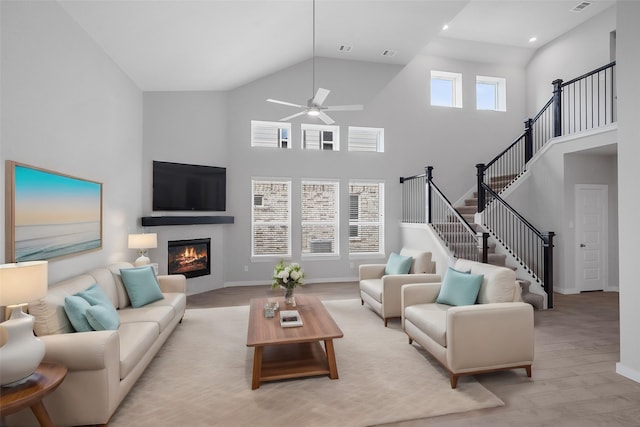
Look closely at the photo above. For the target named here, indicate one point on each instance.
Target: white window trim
(336, 222)
(336, 135)
(380, 222)
(456, 87)
(269, 257)
(267, 126)
(354, 130)
(501, 92)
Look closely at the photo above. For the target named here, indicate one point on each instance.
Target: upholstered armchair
(382, 291)
(494, 333)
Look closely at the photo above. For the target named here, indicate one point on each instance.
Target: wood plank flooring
(574, 381)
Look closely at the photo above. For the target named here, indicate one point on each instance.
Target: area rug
(202, 377)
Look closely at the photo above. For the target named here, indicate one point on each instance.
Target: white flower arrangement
(288, 277)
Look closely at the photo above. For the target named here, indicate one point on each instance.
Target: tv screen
(183, 187)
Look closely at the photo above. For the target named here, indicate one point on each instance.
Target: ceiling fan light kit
(314, 107)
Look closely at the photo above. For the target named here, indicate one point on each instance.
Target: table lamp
(142, 242)
(22, 352)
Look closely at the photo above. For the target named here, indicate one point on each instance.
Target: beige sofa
(102, 365)
(382, 292)
(493, 334)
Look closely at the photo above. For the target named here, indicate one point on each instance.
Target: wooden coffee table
(282, 353)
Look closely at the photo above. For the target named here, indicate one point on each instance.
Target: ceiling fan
(314, 106)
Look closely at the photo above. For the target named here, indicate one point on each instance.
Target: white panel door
(591, 206)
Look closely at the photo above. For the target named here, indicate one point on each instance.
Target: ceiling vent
(581, 6)
(344, 48)
(389, 53)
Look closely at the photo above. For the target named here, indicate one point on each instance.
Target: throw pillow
(96, 296)
(102, 318)
(459, 288)
(398, 264)
(141, 285)
(75, 307)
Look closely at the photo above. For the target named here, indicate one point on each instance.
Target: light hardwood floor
(574, 381)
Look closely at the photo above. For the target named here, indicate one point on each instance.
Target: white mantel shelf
(154, 221)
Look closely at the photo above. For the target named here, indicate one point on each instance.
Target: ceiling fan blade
(323, 116)
(284, 119)
(275, 101)
(321, 95)
(345, 107)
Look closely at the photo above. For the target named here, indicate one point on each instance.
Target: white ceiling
(169, 45)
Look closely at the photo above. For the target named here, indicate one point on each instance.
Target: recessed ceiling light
(581, 6)
(445, 27)
(532, 39)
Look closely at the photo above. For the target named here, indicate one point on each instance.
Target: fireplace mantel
(151, 221)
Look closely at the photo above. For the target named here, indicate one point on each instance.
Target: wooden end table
(30, 393)
(282, 353)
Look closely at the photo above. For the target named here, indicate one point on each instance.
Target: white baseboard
(627, 372)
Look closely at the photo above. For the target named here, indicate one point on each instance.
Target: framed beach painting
(50, 214)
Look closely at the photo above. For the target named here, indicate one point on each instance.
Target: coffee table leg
(257, 367)
(41, 414)
(331, 359)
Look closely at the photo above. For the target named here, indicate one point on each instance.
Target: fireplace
(189, 257)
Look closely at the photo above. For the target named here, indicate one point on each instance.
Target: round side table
(30, 393)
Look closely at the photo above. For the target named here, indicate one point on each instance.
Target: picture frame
(49, 214)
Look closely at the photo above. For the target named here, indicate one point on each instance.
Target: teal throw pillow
(398, 264)
(459, 288)
(76, 308)
(102, 318)
(141, 285)
(108, 316)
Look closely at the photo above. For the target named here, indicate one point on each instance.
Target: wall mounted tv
(184, 187)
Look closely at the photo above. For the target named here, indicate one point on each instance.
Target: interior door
(591, 207)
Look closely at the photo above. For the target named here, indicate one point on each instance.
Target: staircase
(468, 212)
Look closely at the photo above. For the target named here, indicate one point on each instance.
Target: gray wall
(628, 178)
(67, 107)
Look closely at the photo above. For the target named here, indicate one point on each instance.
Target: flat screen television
(184, 187)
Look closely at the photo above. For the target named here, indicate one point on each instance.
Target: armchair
(382, 292)
(495, 333)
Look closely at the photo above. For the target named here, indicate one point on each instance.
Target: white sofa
(102, 365)
(493, 334)
(382, 292)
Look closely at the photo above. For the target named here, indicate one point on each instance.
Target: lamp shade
(22, 282)
(143, 241)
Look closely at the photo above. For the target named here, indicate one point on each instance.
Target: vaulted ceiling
(168, 45)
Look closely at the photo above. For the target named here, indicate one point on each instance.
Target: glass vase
(288, 296)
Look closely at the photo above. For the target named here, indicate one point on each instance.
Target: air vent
(388, 53)
(581, 6)
(344, 48)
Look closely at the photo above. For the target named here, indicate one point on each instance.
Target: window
(320, 137)
(320, 217)
(366, 217)
(366, 139)
(491, 93)
(271, 221)
(354, 214)
(446, 89)
(270, 134)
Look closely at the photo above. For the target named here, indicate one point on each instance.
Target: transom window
(491, 93)
(446, 89)
(366, 139)
(320, 137)
(270, 134)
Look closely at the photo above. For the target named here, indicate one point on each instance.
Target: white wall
(628, 33)
(186, 127)
(583, 49)
(67, 107)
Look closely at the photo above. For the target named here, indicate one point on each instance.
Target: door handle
(582, 245)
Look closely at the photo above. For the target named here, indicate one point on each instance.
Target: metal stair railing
(423, 202)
